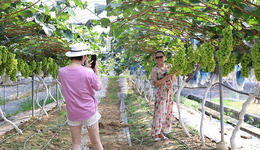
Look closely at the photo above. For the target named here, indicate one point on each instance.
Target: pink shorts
(88, 122)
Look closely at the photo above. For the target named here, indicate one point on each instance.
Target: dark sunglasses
(157, 57)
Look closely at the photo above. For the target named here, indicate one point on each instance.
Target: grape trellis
(42, 107)
(212, 35)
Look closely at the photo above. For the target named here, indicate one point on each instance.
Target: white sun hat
(79, 49)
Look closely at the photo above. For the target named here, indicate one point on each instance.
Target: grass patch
(111, 90)
(190, 103)
(27, 105)
(252, 108)
(2, 101)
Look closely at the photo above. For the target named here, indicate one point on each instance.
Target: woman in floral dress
(163, 106)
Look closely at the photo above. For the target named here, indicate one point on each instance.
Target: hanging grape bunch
(225, 47)
(207, 60)
(38, 68)
(11, 66)
(190, 52)
(229, 66)
(32, 67)
(171, 61)
(3, 59)
(255, 55)
(20, 66)
(24, 68)
(246, 60)
(45, 64)
(179, 62)
(8, 63)
(193, 57)
(172, 70)
(54, 71)
(51, 67)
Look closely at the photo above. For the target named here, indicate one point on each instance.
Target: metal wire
(25, 128)
(42, 132)
(137, 128)
(54, 135)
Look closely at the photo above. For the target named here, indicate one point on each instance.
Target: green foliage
(148, 65)
(142, 28)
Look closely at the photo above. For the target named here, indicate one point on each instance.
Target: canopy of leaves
(144, 26)
(34, 30)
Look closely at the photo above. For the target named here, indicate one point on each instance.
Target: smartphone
(94, 59)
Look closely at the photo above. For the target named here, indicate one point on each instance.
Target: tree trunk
(179, 107)
(47, 94)
(5, 119)
(241, 118)
(63, 100)
(203, 109)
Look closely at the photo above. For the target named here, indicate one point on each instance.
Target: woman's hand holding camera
(87, 63)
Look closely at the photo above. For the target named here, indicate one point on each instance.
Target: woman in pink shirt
(78, 85)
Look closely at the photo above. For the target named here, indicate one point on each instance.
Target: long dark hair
(77, 58)
(159, 52)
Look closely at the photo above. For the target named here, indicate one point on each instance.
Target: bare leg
(76, 137)
(93, 132)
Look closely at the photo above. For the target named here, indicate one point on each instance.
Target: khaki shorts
(88, 122)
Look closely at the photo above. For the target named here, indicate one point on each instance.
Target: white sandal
(157, 139)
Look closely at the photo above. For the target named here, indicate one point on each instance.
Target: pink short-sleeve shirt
(78, 85)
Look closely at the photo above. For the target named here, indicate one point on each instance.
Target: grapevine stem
(192, 75)
(203, 109)
(20, 10)
(240, 8)
(241, 119)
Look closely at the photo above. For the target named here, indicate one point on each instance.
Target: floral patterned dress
(163, 106)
